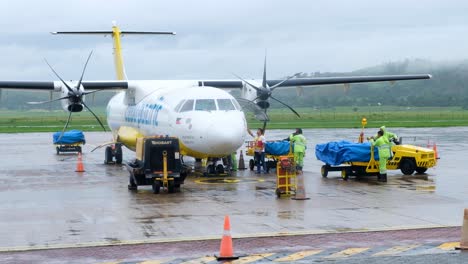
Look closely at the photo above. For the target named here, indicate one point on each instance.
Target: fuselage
(208, 121)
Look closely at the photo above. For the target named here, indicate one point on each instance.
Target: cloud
(216, 38)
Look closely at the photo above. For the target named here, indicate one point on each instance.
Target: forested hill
(448, 87)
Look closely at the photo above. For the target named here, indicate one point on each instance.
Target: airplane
(207, 119)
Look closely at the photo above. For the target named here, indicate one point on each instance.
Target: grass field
(339, 117)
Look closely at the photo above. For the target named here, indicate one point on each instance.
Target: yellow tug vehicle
(407, 158)
(353, 159)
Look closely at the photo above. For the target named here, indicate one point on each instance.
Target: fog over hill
(448, 87)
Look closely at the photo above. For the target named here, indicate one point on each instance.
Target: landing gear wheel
(156, 186)
(108, 155)
(171, 187)
(118, 154)
(79, 150)
(219, 169)
(407, 166)
(345, 174)
(210, 169)
(251, 164)
(324, 171)
(420, 170)
(58, 150)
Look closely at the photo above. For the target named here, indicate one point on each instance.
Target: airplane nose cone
(225, 136)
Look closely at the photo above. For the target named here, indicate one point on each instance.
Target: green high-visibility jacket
(383, 145)
(388, 135)
(300, 142)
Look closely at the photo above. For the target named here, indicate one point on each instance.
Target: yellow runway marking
(298, 255)
(199, 260)
(396, 250)
(252, 258)
(449, 245)
(347, 252)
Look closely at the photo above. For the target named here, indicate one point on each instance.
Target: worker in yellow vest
(299, 147)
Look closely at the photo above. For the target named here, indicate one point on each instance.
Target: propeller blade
(84, 69)
(287, 79)
(264, 123)
(97, 118)
(56, 74)
(259, 113)
(290, 108)
(253, 86)
(50, 101)
(90, 92)
(264, 81)
(66, 125)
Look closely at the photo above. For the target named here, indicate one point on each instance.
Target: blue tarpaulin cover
(69, 137)
(277, 147)
(337, 152)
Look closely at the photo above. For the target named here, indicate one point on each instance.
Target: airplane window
(236, 104)
(179, 105)
(225, 104)
(205, 105)
(188, 106)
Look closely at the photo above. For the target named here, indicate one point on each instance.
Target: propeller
(74, 96)
(264, 93)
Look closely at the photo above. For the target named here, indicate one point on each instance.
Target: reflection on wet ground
(43, 201)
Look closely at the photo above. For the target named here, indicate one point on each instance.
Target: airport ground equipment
(158, 163)
(113, 154)
(69, 141)
(273, 151)
(286, 180)
(407, 158)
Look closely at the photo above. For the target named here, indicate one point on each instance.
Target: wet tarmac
(45, 203)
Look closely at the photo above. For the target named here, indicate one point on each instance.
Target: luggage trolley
(286, 183)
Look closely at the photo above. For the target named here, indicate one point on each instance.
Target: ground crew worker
(259, 149)
(383, 145)
(300, 145)
(389, 135)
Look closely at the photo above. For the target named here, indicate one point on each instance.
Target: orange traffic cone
(464, 237)
(79, 165)
(226, 251)
(300, 190)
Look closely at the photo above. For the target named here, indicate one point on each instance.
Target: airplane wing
(232, 84)
(50, 86)
(350, 79)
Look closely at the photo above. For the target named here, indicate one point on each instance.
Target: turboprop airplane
(208, 120)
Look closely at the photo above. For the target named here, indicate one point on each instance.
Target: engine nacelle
(72, 101)
(263, 104)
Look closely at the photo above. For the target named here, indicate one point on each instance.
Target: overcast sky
(217, 38)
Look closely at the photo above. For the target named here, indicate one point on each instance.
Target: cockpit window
(188, 106)
(225, 104)
(205, 105)
(236, 104)
(178, 106)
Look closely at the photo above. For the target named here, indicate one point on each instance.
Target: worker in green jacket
(300, 145)
(383, 145)
(389, 135)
